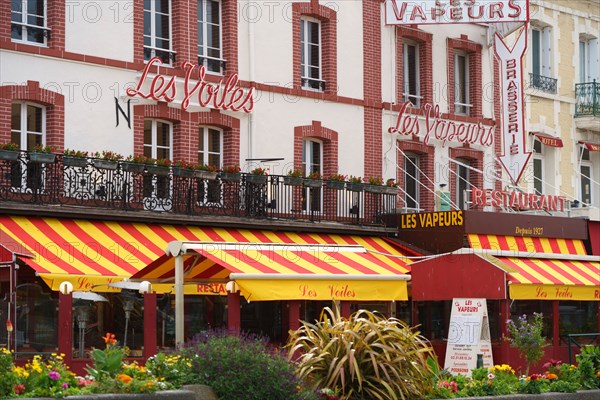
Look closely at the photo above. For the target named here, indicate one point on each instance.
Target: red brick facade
(53, 102)
(473, 51)
(471, 157)
(330, 146)
(185, 131)
(426, 165)
(328, 18)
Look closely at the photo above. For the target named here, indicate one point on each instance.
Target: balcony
(543, 83)
(587, 105)
(90, 185)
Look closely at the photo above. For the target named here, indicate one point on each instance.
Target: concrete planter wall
(581, 395)
(190, 392)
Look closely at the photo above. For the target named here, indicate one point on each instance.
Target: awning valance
(289, 271)
(548, 140)
(91, 254)
(527, 244)
(590, 146)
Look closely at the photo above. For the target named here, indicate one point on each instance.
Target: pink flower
(65, 385)
(54, 375)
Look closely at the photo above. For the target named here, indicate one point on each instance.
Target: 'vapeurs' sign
(398, 12)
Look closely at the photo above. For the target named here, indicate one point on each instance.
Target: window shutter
(594, 64)
(546, 53)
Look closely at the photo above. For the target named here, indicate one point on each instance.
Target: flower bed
(580, 395)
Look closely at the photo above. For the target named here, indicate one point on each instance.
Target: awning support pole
(65, 326)
(179, 301)
(234, 319)
(149, 325)
(555, 328)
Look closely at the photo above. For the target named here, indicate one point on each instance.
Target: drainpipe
(179, 300)
(251, 77)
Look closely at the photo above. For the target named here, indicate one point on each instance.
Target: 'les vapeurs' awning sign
(398, 12)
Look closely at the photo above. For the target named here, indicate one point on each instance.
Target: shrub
(526, 336)
(241, 367)
(588, 363)
(365, 356)
(7, 377)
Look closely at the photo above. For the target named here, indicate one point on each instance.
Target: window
(410, 73)
(586, 178)
(462, 182)
(540, 51)
(538, 167)
(411, 181)
(310, 54)
(28, 126)
(461, 84)
(312, 161)
(588, 60)
(210, 144)
(210, 45)
(157, 30)
(28, 21)
(157, 145)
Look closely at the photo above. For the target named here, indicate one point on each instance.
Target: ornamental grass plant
(363, 357)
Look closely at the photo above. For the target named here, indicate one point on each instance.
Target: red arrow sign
(514, 156)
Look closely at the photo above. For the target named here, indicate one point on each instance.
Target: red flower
(19, 389)
(109, 339)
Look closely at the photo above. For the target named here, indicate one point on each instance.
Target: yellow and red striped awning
(279, 271)
(527, 244)
(92, 254)
(545, 275)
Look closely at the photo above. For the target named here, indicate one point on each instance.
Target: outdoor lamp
(232, 287)
(66, 287)
(145, 287)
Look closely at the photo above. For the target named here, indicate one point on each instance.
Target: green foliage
(564, 386)
(526, 336)
(241, 368)
(478, 374)
(568, 373)
(8, 379)
(173, 368)
(534, 384)
(365, 356)
(588, 364)
(107, 362)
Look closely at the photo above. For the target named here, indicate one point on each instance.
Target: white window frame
(462, 105)
(153, 38)
(25, 25)
(154, 146)
(409, 159)
(24, 134)
(415, 98)
(586, 162)
(203, 133)
(203, 57)
(460, 189)
(588, 59)
(308, 167)
(538, 157)
(544, 53)
(308, 81)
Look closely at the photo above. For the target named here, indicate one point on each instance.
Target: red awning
(590, 146)
(548, 140)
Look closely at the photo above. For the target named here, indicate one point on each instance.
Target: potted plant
(184, 169)
(231, 173)
(159, 166)
(314, 180)
(108, 160)
(390, 187)
(135, 164)
(42, 154)
(257, 176)
(75, 158)
(336, 181)
(9, 151)
(355, 184)
(374, 185)
(294, 177)
(205, 171)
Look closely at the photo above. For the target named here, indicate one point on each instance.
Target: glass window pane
(35, 7)
(34, 118)
(162, 6)
(535, 51)
(148, 132)
(314, 55)
(214, 36)
(163, 134)
(147, 23)
(586, 193)
(16, 6)
(163, 154)
(314, 33)
(537, 175)
(15, 137)
(214, 159)
(33, 140)
(15, 123)
(213, 12)
(201, 139)
(214, 141)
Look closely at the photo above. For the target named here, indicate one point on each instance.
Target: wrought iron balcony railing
(543, 83)
(587, 99)
(92, 182)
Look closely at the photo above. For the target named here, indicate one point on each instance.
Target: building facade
(140, 102)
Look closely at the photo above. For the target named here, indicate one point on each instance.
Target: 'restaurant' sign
(398, 12)
(519, 200)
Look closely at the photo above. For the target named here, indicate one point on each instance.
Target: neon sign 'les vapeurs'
(222, 95)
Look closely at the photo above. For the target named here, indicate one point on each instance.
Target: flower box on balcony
(338, 185)
(79, 162)
(313, 183)
(183, 172)
(256, 179)
(293, 180)
(355, 187)
(133, 167)
(105, 164)
(231, 176)
(42, 158)
(158, 170)
(374, 188)
(9, 155)
(208, 175)
(390, 190)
